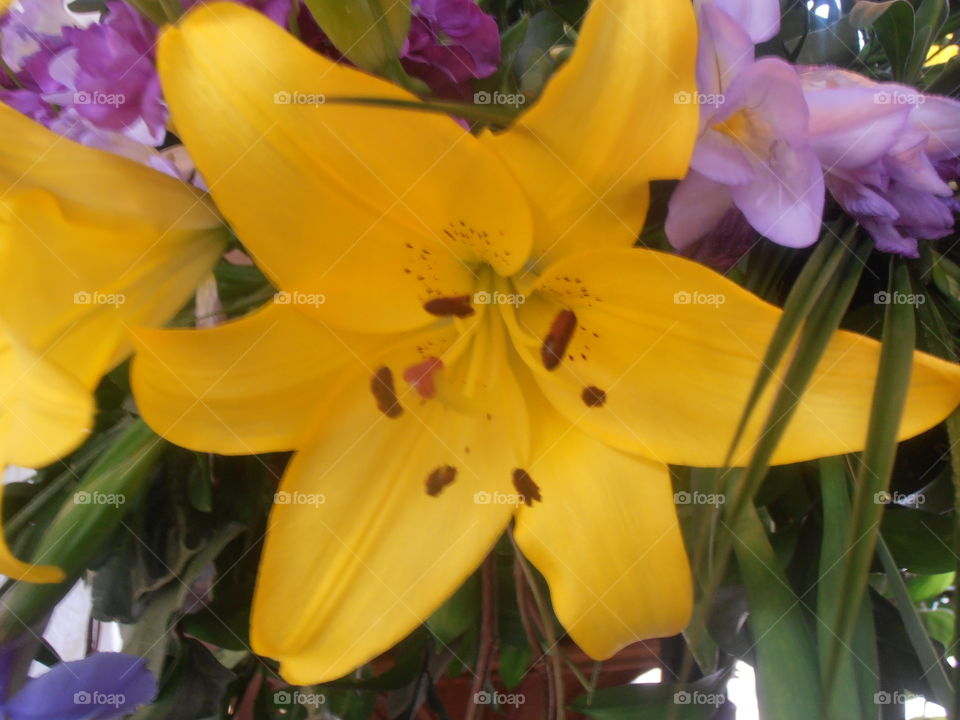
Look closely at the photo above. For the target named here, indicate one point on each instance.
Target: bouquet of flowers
(442, 358)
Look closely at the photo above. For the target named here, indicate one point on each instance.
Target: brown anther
(384, 393)
(439, 478)
(527, 488)
(458, 306)
(555, 343)
(593, 396)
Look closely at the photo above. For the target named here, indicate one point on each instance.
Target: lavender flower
(753, 152)
(450, 43)
(888, 153)
(101, 686)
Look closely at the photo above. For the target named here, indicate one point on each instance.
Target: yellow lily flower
(90, 244)
(464, 337)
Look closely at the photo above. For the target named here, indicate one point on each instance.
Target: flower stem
(550, 635)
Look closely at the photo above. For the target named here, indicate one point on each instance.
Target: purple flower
(96, 84)
(116, 85)
(450, 43)
(103, 685)
(888, 153)
(28, 26)
(753, 152)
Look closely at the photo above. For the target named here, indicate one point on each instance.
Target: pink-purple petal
(785, 202)
(696, 206)
(721, 158)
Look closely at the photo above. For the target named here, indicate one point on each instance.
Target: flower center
(748, 129)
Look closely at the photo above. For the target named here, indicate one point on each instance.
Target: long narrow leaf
(935, 667)
(876, 464)
(857, 680)
(787, 684)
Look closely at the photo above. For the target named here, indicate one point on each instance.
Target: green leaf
(194, 689)
(150, 636)
(534, 60)
(876, 463)
(817, 302)
(856, 682)
(660, 701)
(926, 587)
(866, 12)
(788, 687)
(514, 663)
(919, 541)
(87, 6)
(930, 17)
(934, 665)
(80, 530)
(835, 44)
(895, 31)
(939, 624)
(459, 613)
(370, 33)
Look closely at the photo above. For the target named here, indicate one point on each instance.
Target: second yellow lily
(465, 337)
(91, 244)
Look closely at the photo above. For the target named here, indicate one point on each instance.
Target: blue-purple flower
(888, 154)
(101, 686)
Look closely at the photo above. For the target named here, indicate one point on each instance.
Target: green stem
(491, 114)
(549, 632)
(82, 528)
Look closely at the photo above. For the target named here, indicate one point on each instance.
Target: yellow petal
(345, 579)
(377, 209)
(94, 179)
(74, 279)
(44, 411)
(608, 122)
(90, 244)
(606, 538)
(249, 386)
(19, 570)
(675, 348)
